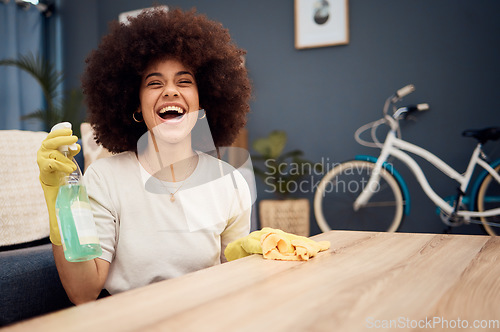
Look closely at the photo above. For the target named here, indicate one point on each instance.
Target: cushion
(23, 213)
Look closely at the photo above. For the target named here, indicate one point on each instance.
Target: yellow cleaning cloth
(275, 244)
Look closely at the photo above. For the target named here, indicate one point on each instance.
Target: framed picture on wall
(320, 23)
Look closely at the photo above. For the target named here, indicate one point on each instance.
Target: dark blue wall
(450, 50)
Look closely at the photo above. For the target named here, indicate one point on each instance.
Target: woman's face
(169, 100)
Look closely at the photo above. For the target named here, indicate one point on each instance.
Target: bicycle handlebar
(404, 91)
(404, 112)
(391, 120)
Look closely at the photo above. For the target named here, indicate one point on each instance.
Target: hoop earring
(204, 114)
(138, 121)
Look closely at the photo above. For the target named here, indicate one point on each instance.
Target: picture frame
(320, 23)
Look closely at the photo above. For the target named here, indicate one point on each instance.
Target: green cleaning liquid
(74, 216)
(76, 224)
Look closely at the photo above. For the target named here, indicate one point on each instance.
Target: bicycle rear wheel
(488, 197)
(339, 188)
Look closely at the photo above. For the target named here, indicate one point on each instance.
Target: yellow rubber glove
(53, 167)
(244, 246)
(275, 244)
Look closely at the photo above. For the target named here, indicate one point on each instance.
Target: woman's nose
(170, 92)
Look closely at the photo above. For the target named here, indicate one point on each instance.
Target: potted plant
(58, 107)
(282, 173)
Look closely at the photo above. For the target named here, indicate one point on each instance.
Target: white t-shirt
(148, 238)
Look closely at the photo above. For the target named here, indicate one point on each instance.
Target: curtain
(20, 34)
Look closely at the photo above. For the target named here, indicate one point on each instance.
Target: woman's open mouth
(171, 113)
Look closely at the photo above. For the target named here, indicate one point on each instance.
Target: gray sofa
(29, 284)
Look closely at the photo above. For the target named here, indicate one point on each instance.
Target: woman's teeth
(171, 112)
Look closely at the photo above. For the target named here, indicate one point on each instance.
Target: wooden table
(366, 280)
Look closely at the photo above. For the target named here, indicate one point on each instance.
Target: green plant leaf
(42, 71)
(271, 146)
(38, 114)
(261, 145)
(59, 108)
(281, 170)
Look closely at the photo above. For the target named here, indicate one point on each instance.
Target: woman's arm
(239, 226)
(82, 281)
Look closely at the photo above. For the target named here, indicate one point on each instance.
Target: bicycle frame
(394, 146)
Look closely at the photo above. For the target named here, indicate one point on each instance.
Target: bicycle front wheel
(488, 197)
(339, 188)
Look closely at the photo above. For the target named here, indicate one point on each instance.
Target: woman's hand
(53, 166)
(51, 162)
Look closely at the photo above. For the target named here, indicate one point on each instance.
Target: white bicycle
(368, 193)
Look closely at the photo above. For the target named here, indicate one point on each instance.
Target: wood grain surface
(365, 281)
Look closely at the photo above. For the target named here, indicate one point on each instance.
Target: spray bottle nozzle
(64, 149)
(74, 177)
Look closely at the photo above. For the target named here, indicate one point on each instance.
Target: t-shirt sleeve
(103, 211)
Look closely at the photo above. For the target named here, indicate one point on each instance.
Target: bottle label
(84, 222)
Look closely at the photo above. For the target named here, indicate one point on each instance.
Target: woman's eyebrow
(152, 74)
(184, 72)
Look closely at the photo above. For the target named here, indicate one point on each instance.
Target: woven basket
(290, 215)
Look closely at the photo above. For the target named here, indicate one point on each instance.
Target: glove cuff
(50, 193)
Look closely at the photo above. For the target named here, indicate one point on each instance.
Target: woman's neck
(168, 161)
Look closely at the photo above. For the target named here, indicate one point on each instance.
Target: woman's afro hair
(111, 80)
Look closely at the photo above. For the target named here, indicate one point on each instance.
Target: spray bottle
(74, 215)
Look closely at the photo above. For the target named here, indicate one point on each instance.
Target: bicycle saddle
(483, 135)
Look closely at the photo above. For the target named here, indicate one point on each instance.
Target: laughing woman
(163, 207)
